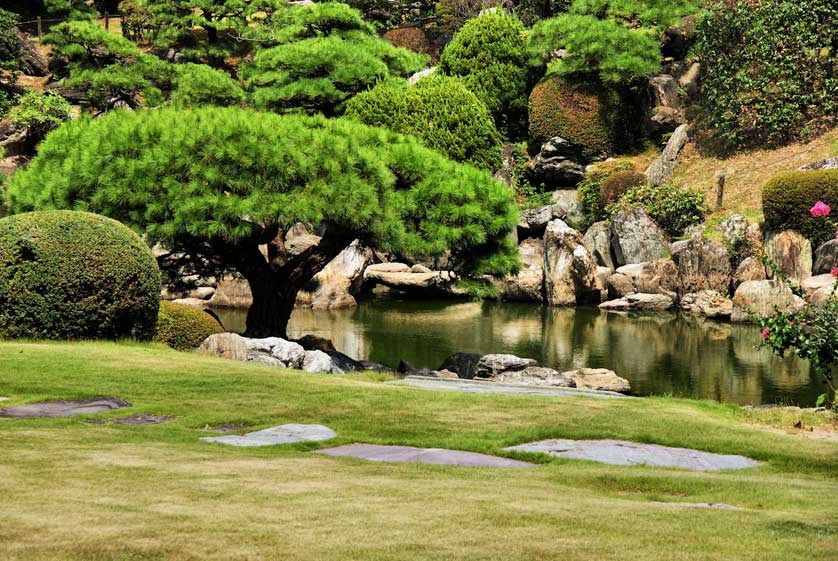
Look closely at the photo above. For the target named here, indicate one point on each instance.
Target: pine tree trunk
(273, 303)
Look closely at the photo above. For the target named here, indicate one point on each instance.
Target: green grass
(75, 491)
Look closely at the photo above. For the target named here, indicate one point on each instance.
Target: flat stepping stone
(409, 454)
(65, 408)
(284, 434)
(486, 387)
(136, 420)
(4, 399)
(230, 427)
(625, 453)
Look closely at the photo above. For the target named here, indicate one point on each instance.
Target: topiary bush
(75, 275)
(184, 327)
(788, 198)
(199, 84)
(438, 110)
(618, 184)
(672, 208)
(585, 113)
(590, 187)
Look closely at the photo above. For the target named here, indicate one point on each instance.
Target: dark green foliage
(387, 14)
(489, 54)
(136, 19)
(672, 208)
(314, 58)
(532, 11)
(74, 275)
(618, 184)
(40, 112)
(438, 110)
(587, 114)
(9, 41)
(769, 72)
(184, 327)
(73, 9)
(199, 84)
(590, 187)
(788, 197)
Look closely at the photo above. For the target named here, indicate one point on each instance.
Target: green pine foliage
(9, 41)
(200, 84)
(489, 54)
(74, 275)
(72, 9)
(769, 71)
(315, 58)
(787, 199)
(40, 112)
(183, 327)
(438, 110)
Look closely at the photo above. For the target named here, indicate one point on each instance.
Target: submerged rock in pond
(284, 434)
(409, 454)
(62, 408)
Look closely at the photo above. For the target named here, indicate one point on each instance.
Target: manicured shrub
(787, 201)
(769, 74)
(618, 184)
(184, 327)
(591, 185)
(489, 54)
(672, 208)
(75, 275)
(438, 110)
(411, 38)
(585, 113)
(199, 84)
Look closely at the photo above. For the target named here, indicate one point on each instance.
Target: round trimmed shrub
(184, 327)
(788, 197)
(75, 275)
(585, 113)
(591, 185)
(618, 184)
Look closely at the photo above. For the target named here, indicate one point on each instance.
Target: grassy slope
(71, 490)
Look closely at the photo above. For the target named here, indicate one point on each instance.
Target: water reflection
(657, 353)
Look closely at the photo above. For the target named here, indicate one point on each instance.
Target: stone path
(409, 454)
(285, 434)
(625, 453)
(65, 408)
(136, 420)
(481, 387)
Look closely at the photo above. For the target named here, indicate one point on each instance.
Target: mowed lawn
(71, 490)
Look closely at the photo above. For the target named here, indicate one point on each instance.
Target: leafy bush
(411, 38)
(75, 275)
(489, 54)
(136, 19)
(184, 327)
(672, 208)
(787, 201)
(451, 15)
(199, 84)
(769, 74)
(618, 184)
(587, 114)
(532, 11)
(9, 41)
(591, 185)
(40, 112)
(438, 110)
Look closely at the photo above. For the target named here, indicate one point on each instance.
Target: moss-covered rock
(184, 327)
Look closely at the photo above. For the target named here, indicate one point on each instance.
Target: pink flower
(836, 235)
(765, 333)
(820, 209)
(835, 272)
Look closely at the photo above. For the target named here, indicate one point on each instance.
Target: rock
(661, 169)
(792, 253)
(811, 285)
(225, 345)
(463, 364)
(639, 303)
(690, 81)
(734, 230)
(342, 363)
(232, 292)
(829, 163)
(485, 387)
(291, 354)
(492, 365)
(284, 434)
(10, 165)
(702, 265)
(15, 140)
(443, 374)
(567, 206)
(761, 297)
(600, 379)
(315, 343)
(138, 420)
(405, 367)
(555, 166)
(299, 240)
(317, 362)
(751, 269)
(708, 303)
(533, 221)
(636, 238)
(598, 241)
(409, 454)
(73, 408)
(619, 285)
(389, 268)
(663, 108)
(421, 74)
(32, 62)
(369, 366)
(823, 296)
(420, 269)
(435, 282)
(536, 376)
(570, 272)
(826, 258)
(266, 359)
(528, 284)
(656, 277)
(339, 282)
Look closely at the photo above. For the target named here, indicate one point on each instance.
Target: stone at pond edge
(708, 303)
(528, 284)
(761, 297)
(792, 253)
(284, 434)
(72, 408)
(656, 277)
(464, 364)
(536, 376)
(570, 272)
(600, 379)
(639, 303)
(625, 453)
(225, 345)
(661, 169)
(492, 365)
(598, 241)
(751, 269)
(636, 238)
(409, 454)
(702, 265)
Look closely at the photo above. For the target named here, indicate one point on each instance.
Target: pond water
(658, 353)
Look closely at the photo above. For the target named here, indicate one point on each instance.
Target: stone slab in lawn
(65, 408)
(135, 420)
(409, 454)
(284, 434)
(4, 399)
(485, 387)
(625, 453)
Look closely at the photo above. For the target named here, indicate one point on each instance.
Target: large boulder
(493, 365)
(823, 296)
(702, 265)
(556, 165)
(761, 298)
(232, 292)
(225, 345)
(826, 258)
(463, 364)
(661, 169)
(600, 379)
(337, 284)
(636, 238)
(639, 303)
(570, 272)
(32, 61)
(751, 269)
(656, 277)
(568, 207)
(663, 108)
(536, 376)
(528, 284)
(598, 241)
(811, 285)
(400, 276)
(709, 303)
(534, 221)
(317, 362)
(791, 252)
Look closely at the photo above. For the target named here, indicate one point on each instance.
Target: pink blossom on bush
(765, 333)
(835, 272)
(820, 209)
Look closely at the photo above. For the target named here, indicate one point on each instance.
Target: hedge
(788, 197)
(75, 275)
(184, 327)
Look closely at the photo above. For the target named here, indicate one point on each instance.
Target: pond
(659, 354)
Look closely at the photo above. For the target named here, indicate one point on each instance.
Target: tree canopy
(214, 184)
